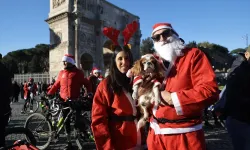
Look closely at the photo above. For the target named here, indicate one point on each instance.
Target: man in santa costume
(190, 86)
(95, 78)
(70, 81)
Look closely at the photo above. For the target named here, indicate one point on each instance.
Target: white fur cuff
(156, 84)
(176, 103)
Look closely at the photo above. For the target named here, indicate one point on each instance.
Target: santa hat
(159, 26)
(95, 69)
(69, 58)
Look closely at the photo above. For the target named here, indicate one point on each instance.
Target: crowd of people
(188, 89)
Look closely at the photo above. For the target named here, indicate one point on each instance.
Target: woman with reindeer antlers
(114, 112)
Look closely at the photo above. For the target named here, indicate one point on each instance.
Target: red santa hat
(159, 26)
(69, 58)
(95, 69)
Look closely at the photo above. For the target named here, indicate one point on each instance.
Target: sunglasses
(164, 34)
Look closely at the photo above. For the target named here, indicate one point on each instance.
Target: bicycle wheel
(41, 129)
(35, 105)
(18, 133)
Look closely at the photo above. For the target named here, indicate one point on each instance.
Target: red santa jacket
(109, 135)
(28, 87)
(70, 83)
(192, 84)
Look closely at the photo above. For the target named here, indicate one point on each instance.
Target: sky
(222, 22)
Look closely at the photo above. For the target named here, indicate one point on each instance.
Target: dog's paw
(141, 123)
(157, 101)
(135, 95)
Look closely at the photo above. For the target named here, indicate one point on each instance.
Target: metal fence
(39, 77)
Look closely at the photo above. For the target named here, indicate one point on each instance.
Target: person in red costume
(30, 89)
(190, 87)
(95, 78)
(69, 81)
(114, 113)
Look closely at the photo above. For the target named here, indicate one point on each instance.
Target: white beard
(169, 49)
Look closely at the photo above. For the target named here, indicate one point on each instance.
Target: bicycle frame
(65, 119)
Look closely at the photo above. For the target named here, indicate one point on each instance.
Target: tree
(238, 50)
(192, 44)
(218, 55)
(34, 67)
(19, 61)
(147, 46)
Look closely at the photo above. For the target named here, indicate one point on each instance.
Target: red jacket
(70, 83)
(192, 84)
(33, 89)
(118, 135)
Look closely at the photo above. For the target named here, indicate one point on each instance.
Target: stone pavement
(216, 138)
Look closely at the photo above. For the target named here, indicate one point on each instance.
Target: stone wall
(76, 28)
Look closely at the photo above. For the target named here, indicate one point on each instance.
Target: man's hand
(166, 98)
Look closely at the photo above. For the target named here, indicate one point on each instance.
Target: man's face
(97, 74)
(247, 55)
(66, 64)
(167, 44)
(161, 35)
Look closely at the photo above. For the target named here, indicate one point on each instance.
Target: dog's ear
(137, 68)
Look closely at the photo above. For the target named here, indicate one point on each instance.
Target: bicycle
(47, 104)
(28, 140)
(45, 128)
(31, 104)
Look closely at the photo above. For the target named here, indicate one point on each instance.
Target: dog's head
(147, 64)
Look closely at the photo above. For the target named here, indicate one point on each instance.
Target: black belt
(164, 120)
(122, 118)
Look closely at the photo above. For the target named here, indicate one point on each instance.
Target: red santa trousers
(185, 141)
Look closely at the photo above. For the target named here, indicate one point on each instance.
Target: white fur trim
(137, 82)
(132, 102)
(133, 105)
(138, 134)
(176, 103)
(97, 71)
(68, 59)
(154, 125)
(160, 27)
(154, 110)
(156, 84)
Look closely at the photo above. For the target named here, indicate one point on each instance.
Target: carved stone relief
(100, 9)
(84, 27)
(82, 3)
(57, 3)
(87, 40)
(91, 6)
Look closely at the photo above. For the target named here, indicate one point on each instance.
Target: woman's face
(122, 61)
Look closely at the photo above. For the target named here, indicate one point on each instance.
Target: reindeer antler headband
(127, 33)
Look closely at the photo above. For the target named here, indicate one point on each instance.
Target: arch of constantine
(76, 28)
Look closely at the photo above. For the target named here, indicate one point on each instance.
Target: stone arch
(86, 62)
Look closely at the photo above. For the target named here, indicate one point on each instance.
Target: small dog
(145, 91)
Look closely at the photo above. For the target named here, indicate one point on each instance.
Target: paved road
(216, 138)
